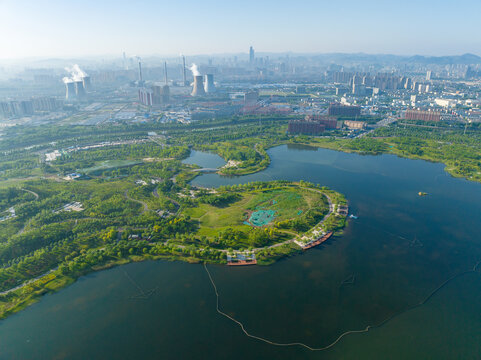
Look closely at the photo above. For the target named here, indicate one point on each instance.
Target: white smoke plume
(67, 80)
(76, 73)
(195, 70)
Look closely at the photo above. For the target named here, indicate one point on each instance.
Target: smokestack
(79, 89)
(209, 83)
(86, 82)
(183, 71)
(69, 90)
(198, 89)
(165, 72)
(165, 94)
(126, 66)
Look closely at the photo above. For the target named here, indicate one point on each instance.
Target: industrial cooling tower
(70, 90)
(79, 89)
(86, 83)
(198, 89)
(209, 83)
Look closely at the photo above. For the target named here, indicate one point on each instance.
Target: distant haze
(59, 28)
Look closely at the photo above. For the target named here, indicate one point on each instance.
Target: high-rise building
(251, 97)
(161, 94)
(305, 127)
(413, 100)
(359, 90)
(141, 81)
(27, 107)
(357, 80)
(45, 104)
(16, 108)
(341, 77)
(329, 123)
(5, 110)
(354, 125)
(300, 89)
(336, 109)
(422, 115)
(184, 78)
(251, 55)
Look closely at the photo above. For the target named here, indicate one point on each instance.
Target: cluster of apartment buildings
(362, 84)
(12, 109)
(317, 124)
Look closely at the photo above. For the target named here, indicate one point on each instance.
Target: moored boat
(318, 241)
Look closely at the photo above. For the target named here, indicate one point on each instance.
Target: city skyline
(166, 29)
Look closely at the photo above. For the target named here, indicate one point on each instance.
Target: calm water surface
(400, 248)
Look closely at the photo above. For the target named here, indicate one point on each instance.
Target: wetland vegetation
(137, 202)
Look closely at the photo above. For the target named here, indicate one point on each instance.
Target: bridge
(206, 170)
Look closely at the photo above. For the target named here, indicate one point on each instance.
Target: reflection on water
(301, 147)
(204, 159)
(305, 298)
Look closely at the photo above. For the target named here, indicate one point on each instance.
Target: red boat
(242, 262)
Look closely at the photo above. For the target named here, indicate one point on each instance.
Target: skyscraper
(251, 55)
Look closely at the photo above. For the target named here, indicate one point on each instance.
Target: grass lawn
(108, 165)
(288, 203)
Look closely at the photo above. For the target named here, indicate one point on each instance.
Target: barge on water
(239, 259)
(242, 262)
(316, 242)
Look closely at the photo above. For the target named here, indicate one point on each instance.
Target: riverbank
(298, 207)
(387, 245)
(459, 163)
(32, 291)
(461, 156)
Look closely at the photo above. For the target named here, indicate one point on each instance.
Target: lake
(400, 249)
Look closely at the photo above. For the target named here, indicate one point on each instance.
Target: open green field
(285, 203)
(107, 165)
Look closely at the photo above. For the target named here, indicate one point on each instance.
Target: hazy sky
(64, 28)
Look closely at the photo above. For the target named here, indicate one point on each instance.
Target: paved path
(331, 209)
(63, 221)
(156, 194)
(27, 282)
(31, 192)
(27, 222)
(144, 204)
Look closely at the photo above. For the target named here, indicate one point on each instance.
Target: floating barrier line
(350, 280)
(365, 330)
(142, 294)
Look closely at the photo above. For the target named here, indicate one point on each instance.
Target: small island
(265, 220)
(105, 220)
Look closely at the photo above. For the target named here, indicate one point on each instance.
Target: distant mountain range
(465, 59)
(322, 58)
(340, 58)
